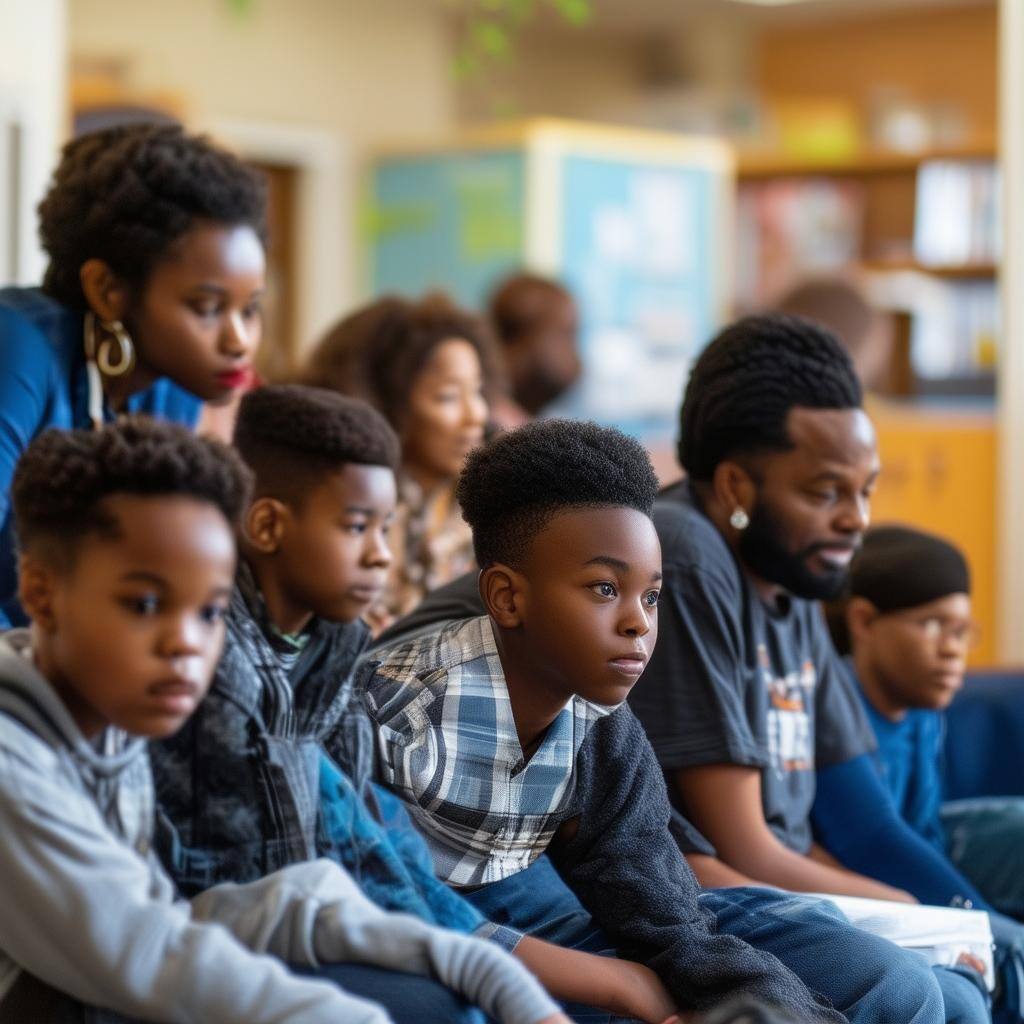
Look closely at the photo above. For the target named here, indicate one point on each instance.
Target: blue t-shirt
(909, 759)
(43, 384)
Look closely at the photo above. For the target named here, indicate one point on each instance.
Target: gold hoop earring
(100, 351)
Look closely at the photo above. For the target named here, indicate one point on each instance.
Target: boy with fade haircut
(508, 736)
(128, 559)
(251, 783)
(905, 626)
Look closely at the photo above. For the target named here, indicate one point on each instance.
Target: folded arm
(724, 801)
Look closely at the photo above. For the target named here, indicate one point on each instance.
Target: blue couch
(984, 753)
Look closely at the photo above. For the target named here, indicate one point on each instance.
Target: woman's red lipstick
(235, 378)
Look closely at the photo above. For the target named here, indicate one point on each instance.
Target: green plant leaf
(576, 12)
(490, 38)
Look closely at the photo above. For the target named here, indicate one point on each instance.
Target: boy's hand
(621, 987)
(556, 1018)
(970, 960)
(634, 990)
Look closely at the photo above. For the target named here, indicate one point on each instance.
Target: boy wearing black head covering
(906, 625)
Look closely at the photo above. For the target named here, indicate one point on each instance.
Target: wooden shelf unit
(759, 164)
(952, 271)
(889, 184)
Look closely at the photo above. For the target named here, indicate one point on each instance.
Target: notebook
(939, 934)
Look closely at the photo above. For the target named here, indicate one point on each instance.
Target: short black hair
(747, 380)
(896, 568)
(521, 302)
(291, 435)
(377, 352)
(64, 477)
(512, 486)
(126, 194)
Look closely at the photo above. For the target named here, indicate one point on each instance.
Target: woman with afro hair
(430, 368)
(150, 302)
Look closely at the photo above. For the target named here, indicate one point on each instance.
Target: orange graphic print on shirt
(790, 740)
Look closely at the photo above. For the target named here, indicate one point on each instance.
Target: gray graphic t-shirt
(734, 682)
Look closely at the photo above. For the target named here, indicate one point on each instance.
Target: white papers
(939, 934)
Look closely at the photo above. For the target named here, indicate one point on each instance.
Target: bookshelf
(920, 230)
(980, 270)
(754, 164)
(862, 215)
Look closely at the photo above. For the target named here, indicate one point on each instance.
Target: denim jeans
(866, 978)
(1009, 942)
(408, 998)
(984, 839)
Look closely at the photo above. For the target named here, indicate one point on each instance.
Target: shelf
(754, 165)
(978, 271)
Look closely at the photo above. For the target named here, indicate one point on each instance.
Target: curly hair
(747, 380)
(376, 352)
(126, 194)
(291, 435)
(512, 486)
(63, 478)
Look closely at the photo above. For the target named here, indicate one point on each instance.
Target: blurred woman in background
(430, 368)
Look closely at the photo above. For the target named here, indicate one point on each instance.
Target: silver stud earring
(739, 520)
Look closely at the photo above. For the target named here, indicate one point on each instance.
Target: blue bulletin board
(639, 252)
(451, 221)
(636, 224)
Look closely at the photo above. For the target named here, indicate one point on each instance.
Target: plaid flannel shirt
(447, 744)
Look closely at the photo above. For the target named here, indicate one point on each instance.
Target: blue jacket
(43, 384)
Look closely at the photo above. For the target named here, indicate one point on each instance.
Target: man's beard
(763, 551)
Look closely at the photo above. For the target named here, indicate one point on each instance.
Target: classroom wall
(627, 75)
(585, 74)
(726, 65)
(371, 71)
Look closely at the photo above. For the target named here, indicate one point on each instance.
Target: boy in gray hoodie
(126, 569)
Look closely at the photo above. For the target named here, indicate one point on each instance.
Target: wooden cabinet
(939, 474)
(890, 221)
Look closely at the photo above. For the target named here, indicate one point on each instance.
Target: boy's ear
(36, 585)
(503, 593)
(265, 524)
(860, 613)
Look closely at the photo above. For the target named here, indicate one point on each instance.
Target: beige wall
(368, 70)
(560, 73)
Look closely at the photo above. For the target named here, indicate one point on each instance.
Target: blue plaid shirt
(447, 744)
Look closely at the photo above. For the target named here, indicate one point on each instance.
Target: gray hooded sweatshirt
(88, 909)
